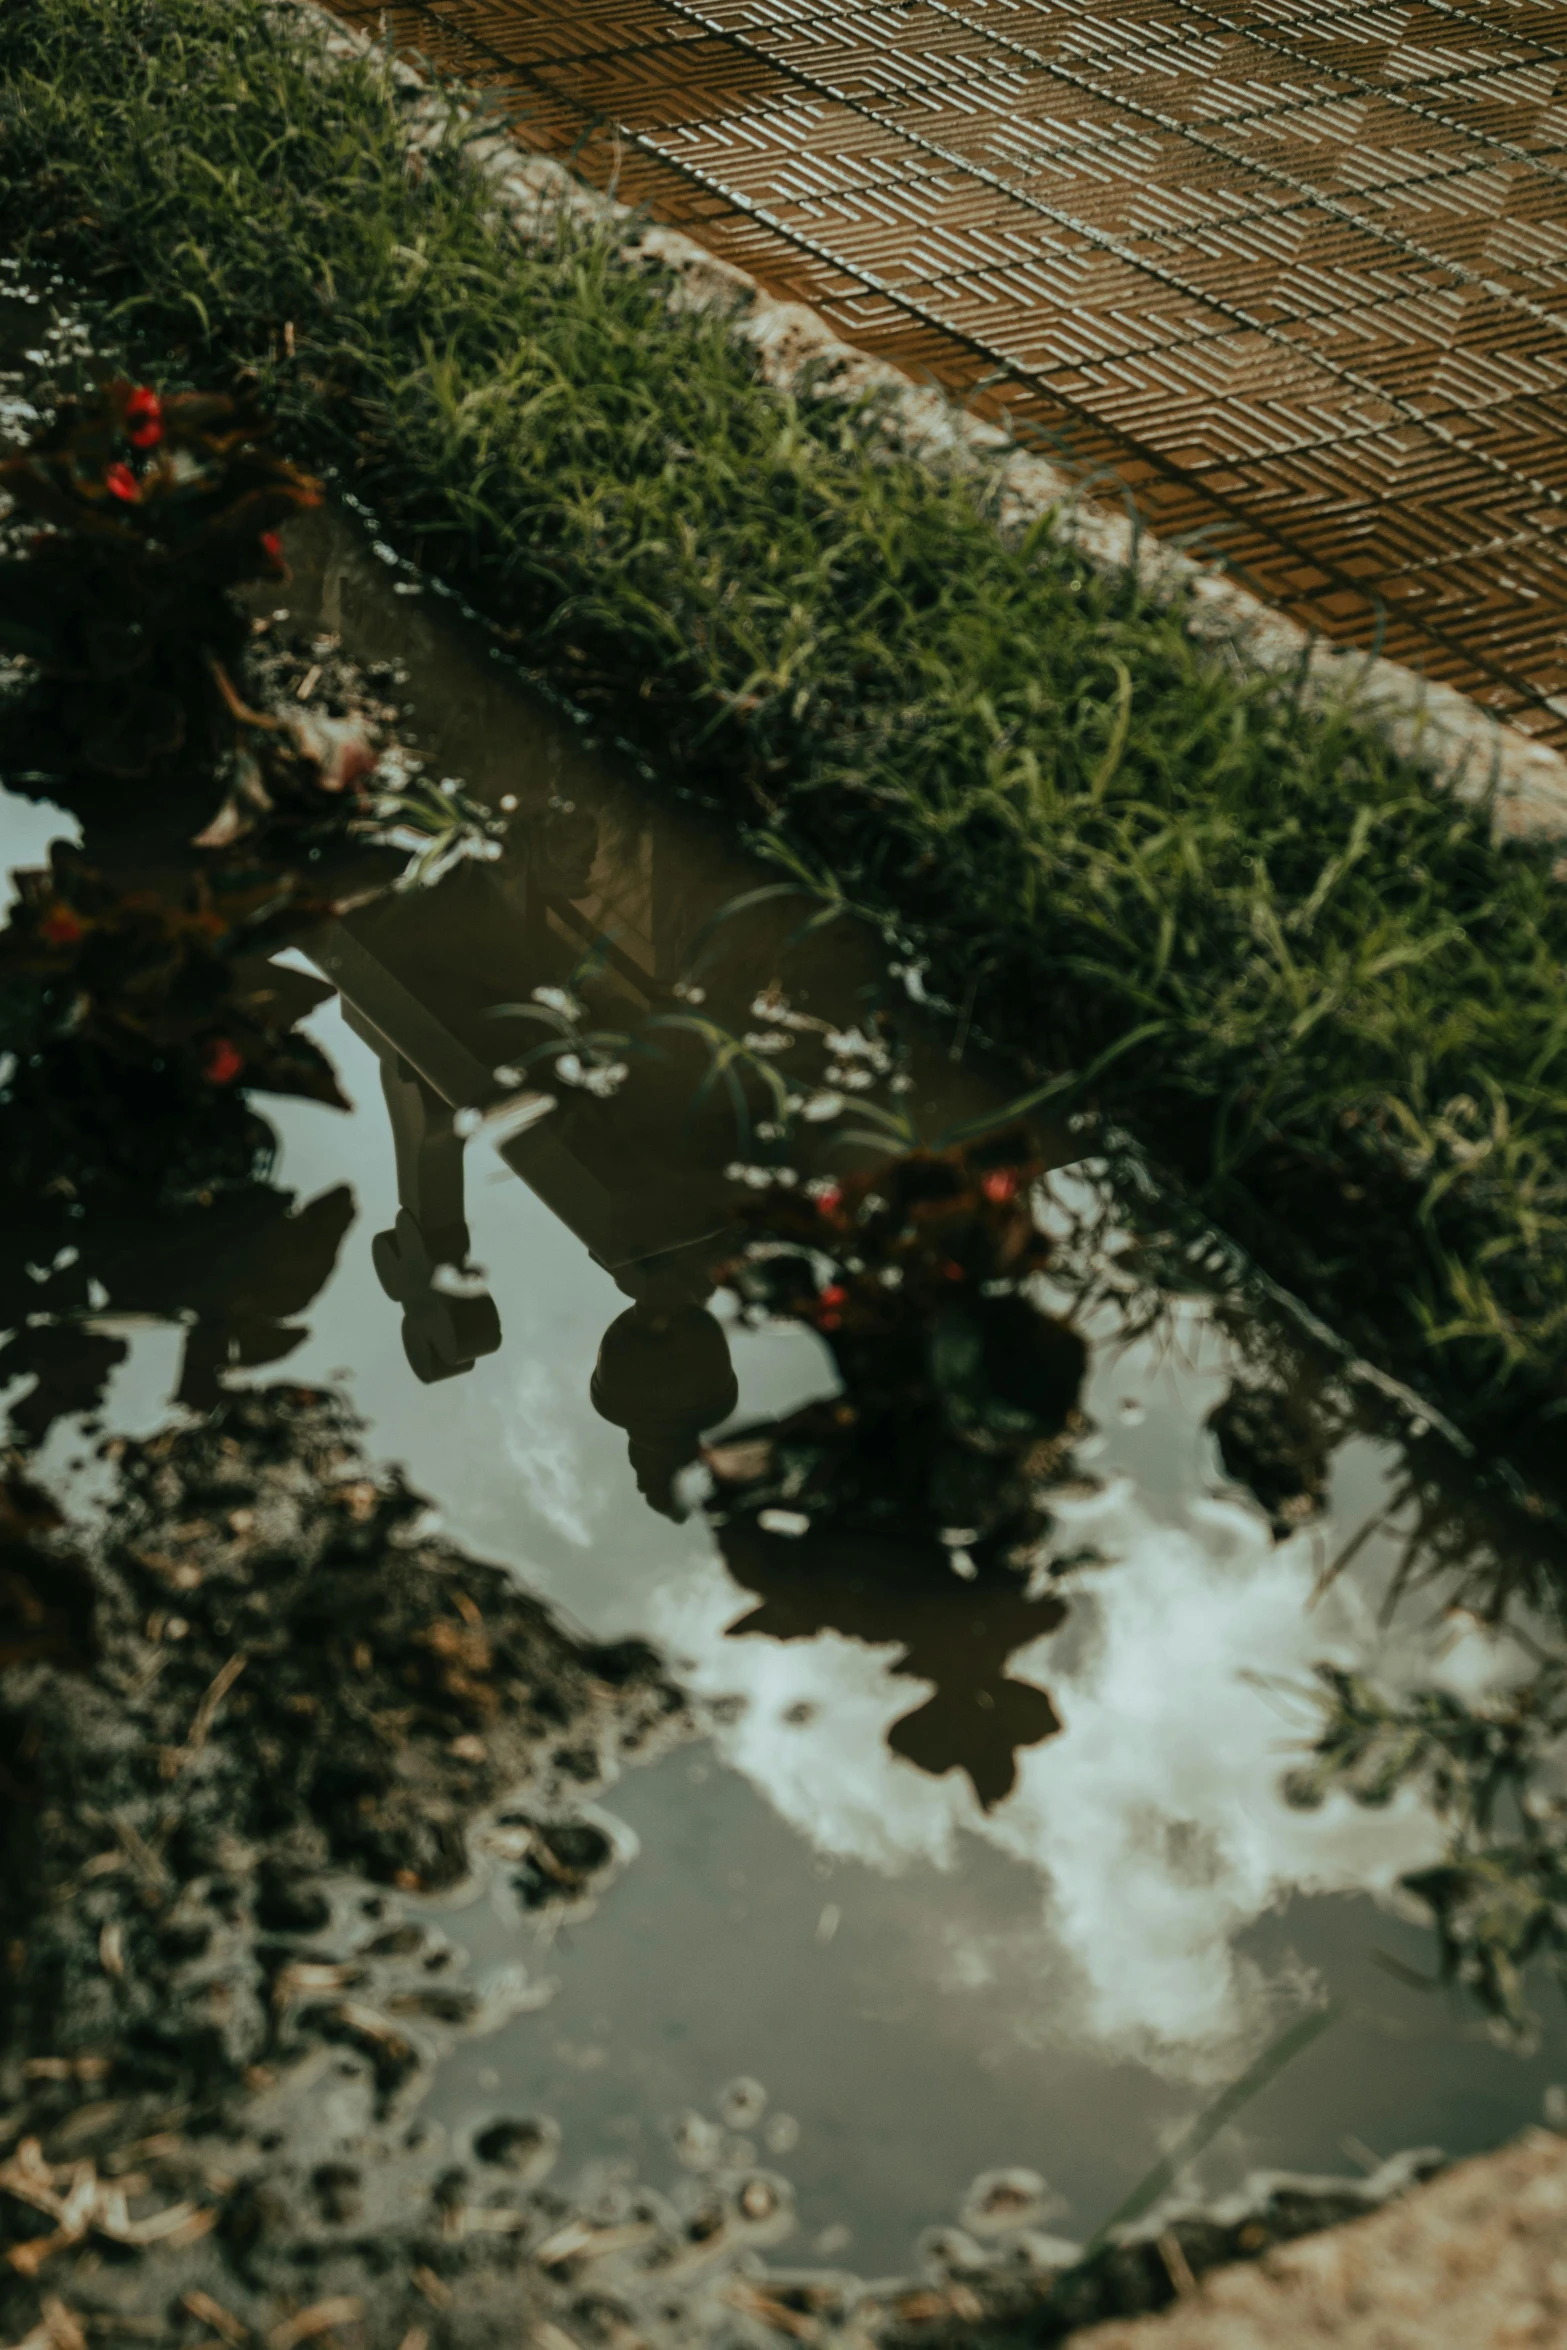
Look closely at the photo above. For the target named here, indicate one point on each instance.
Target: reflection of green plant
(1136, 1256)
(588, 1058)
(154, 507)
(955, 1385)
(817, 1100)
(233, 1272)
(133, 1025)
(1231, 2100)
(139, 983)
(441, 825)
(1465, 1759)
(859, 1080)
(1499, 1897)
(122, 614)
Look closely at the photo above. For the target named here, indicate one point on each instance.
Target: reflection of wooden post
(429, 1161)
(663, 1371)
(443, 1333)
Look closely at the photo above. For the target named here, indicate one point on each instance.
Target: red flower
(120, 482)
(221, 1062)
(833, 1296)
(827, 1201)
(272, 548)
(144, 418)
(951, 1272)
(999, 1184)
(60, 927)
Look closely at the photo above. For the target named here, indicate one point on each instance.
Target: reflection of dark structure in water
(236, 1270)
(638, 1190)
(878, 1587)
(918, 1489)
(664, 1375)
(444, 1330)
(923, 1502)
(909, 1507)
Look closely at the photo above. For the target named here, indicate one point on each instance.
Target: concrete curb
(1474, 2259)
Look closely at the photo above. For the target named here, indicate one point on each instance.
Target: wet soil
(281, 1708)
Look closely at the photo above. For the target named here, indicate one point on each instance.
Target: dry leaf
(212, 2313)
(343, 2309)
(752, 2301)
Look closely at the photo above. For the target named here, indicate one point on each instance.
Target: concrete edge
(1471, 2260)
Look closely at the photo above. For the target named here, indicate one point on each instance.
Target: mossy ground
(1310, 981)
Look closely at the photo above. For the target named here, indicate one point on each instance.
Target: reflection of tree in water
(1489, 1767)
(958, 1634)
(134, 1167)
(1272, 1439)
(908, 1507)
(235, 1271)
(210, 1246)
(1471, 1545)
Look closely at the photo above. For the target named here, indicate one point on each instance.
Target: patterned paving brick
(1293, 271)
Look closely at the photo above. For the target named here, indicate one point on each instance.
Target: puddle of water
(525, 1315)
(923, 1986)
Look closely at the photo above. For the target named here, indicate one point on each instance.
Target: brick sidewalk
(1294, 271)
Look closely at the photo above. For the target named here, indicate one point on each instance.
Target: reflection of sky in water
(1153, 1821)
(28, 828)
(930, 1987)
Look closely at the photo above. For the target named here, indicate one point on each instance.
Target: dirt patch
(221, 2003)
(250, 1718)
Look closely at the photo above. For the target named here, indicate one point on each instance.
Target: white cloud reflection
(539, 1443)
(1154, 1822)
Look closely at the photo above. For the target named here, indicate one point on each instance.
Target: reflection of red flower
(828, 1201)
(951, 1272)
(999, 1184)
(272, 548)
(60, 927)
(144, 418)
(835, 1296)
(120, 482)
(221, 1062)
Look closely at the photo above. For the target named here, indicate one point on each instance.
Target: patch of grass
(1309, 980)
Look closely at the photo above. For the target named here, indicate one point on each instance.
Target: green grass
(1308, 981)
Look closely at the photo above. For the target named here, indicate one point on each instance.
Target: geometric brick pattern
(1293, 271)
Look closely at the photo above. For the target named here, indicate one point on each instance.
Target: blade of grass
(1214, 2117)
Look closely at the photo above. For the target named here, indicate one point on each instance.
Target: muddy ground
(257, 1714)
